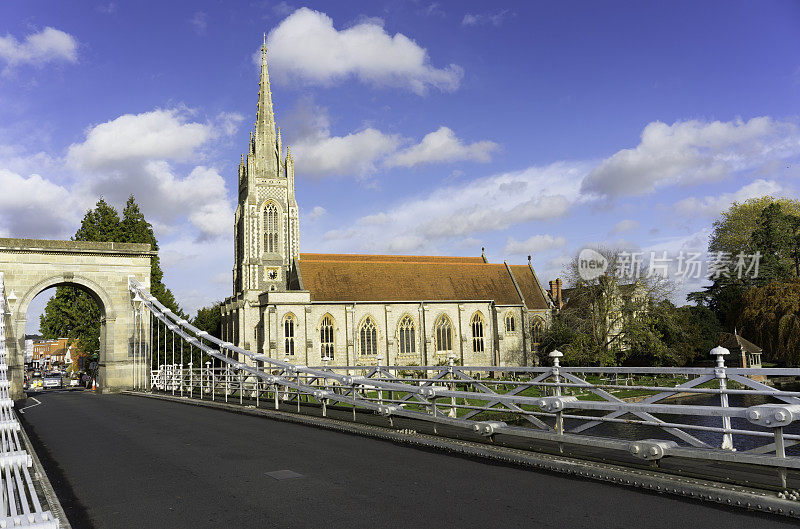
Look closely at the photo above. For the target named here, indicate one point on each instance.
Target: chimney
(553, 290)
(558, 293)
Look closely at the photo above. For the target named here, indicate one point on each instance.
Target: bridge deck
(121, 461)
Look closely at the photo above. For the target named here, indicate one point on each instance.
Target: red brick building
(51, 352)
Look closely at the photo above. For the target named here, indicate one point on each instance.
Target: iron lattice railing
(19, 502)
(715, 415)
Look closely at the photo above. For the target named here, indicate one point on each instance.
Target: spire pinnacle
(265, 120)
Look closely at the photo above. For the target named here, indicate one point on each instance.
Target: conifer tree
(72, 312)
(134, 228)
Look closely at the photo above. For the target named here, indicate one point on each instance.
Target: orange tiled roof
(529, 286)
(388, 258)
(338, 277)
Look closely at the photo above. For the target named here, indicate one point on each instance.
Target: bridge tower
(101, 269)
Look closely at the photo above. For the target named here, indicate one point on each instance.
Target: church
(342, 309)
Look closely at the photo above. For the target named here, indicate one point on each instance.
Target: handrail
(20, 505)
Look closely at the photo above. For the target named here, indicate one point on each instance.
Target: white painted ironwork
(545, 403)
(19, 502)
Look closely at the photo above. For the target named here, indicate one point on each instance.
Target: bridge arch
(97, 293)
(31, 266)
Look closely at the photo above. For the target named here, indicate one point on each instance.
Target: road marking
(22, 410)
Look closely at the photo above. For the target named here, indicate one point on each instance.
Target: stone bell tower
(266, 223)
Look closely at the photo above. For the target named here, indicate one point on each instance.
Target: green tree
(733, 230)
(209, 319)
(761, 225)
(134, 228)
(72, 312)
(700, 331)
(771, 319)
(100, 224)
(777, 238)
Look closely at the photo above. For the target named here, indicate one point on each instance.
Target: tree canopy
(72, 312)
(763, 306)
(209, 319)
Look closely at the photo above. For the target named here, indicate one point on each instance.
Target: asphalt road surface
(121, 461)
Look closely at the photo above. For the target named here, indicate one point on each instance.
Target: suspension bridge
(713, 434)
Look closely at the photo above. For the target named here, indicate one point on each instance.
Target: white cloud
(48, 45)
(450, 213)
(131, 155)
(711, 206)
(192, 269)
(480, 19)
(158, 134)
(625, 226)
(228, 122)
(317, 152)
(107, 9)
(199, 22)
(689, 152)
(442, 145)
(355, 153)
(15, 159)
(537, 243)
(35, 207)
(316, 213)
(434, 9)
(306, 46)
(283, 9)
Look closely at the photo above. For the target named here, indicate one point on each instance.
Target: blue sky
(416, 127)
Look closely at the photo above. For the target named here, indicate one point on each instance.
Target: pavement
(123, 461)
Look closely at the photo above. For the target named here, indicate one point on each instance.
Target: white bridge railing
(19, 502)
(710, 416)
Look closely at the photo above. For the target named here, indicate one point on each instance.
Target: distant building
(743, 352)
(47, 353)
(620, 303)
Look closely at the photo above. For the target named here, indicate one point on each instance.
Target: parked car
(53, 380)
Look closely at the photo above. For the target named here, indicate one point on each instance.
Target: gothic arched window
(510, 323)
(537, 329)
(326, 337)
(368, 335)
(407, 341)
(271, 228)
(477, 333)
(444, 335)
(288, 334)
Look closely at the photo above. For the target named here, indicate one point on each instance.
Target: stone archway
(31, 266)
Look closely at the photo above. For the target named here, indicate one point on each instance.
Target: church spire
(265, 119)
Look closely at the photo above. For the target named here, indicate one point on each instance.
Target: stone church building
(355, 309)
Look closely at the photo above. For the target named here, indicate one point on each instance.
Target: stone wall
(348, 318)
